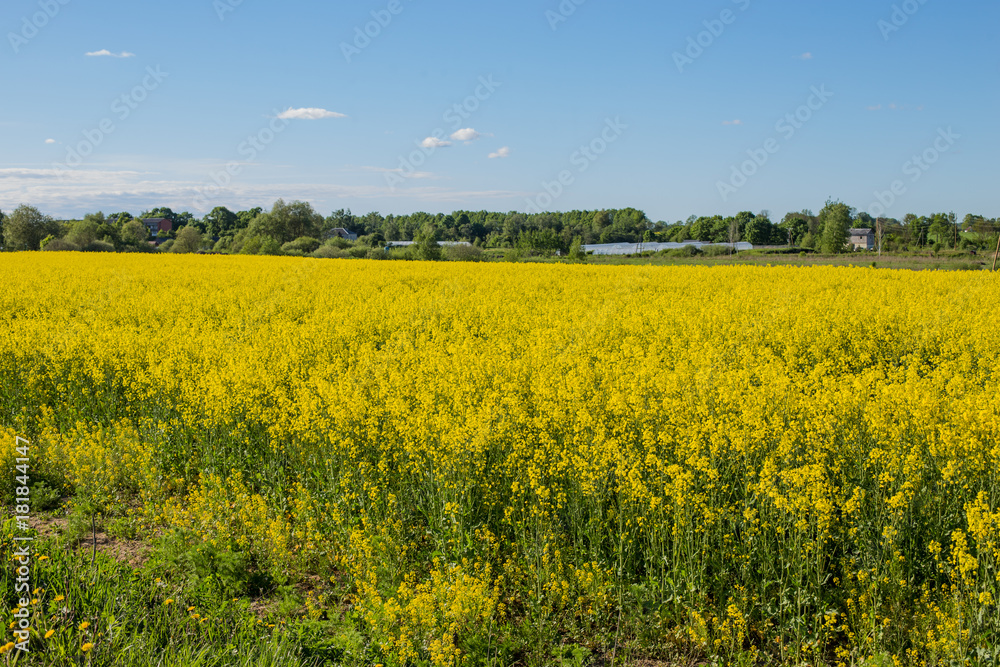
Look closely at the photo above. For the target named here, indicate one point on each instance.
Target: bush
(302, 246)
(716, 250)
(329, 252)
(338, 242)
(513, 255)
(166, 245)
(463, 253)
(99, 246)
(686, 251)
(400, 253)
(59, 245)
(358, 252)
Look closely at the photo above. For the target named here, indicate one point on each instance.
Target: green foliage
(134, 233)
(25, 228)
(188, 240)
(427, 247)
(302, 245)
(836, 221)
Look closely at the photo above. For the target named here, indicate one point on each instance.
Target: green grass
(174, 610)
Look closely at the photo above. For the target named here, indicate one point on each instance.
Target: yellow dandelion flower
(168, 601)
(49, 634)
(84, 625)
(86, 647)
(59, 598)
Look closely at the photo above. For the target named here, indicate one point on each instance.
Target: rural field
(290, 461)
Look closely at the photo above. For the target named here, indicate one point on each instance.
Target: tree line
(296, 228)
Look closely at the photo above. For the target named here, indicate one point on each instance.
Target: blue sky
(268, 91)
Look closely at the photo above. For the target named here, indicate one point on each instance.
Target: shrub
(99, 246)
(302, 245)
(463, 253)
(329, 252)
(59, 245)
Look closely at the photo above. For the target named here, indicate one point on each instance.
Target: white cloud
(877, 107)
(434, 142)
(467, 135)
(69, 192)
(105, 52)
(309, 114)
(503, 152)
(732, 122)
(50, 141)
(401, 172)
(805, 56)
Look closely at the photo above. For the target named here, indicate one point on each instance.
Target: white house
(862, 239)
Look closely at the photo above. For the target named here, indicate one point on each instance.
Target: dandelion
(168, 601)
(48, 635)
(86, 647)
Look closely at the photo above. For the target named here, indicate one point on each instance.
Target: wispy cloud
(434, 142)
(467, 135)
(502, 153)
(805, 56)
(401, 172)
(50, 141)
(72, 192)
(309, 114)
(732, 122)
(895, 107)
(109, 54)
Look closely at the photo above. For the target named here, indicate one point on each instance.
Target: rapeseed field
(465, 464)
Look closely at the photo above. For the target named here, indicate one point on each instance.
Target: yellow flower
(6, 647)
(84, 625)
(49, 633)
(191, 608)
(86, 647)
(59, 598)
(168, 601)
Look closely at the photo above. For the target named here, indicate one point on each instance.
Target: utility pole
(997, 254)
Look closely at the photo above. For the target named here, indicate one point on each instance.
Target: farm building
(862, 239)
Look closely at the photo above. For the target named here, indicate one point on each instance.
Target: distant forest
(296, 228)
